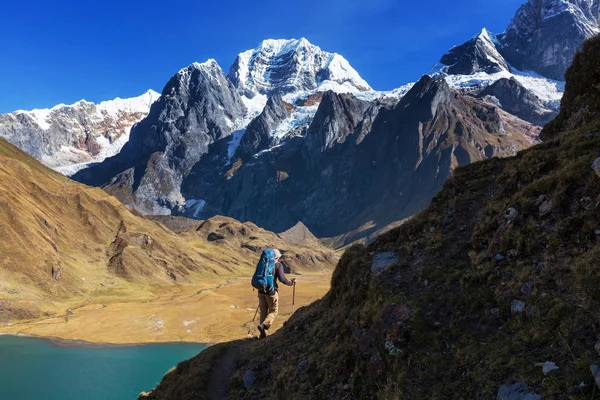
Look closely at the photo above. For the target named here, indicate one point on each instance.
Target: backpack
(264, 276)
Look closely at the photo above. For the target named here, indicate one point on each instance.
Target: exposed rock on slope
(512, 97)
(62, 242)
(259, 133)
(76, 133)
(496, 277)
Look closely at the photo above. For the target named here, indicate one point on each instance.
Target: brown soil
(210, 312)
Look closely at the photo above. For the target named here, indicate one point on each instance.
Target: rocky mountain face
(289, 66)
(476, 55)
(290, 137)
(489, 293)
(514, 98)
(78, 133)
(542, 37)
(545, 34)
(259, 133)
(357, 153)
(534, 51)
(198, 107)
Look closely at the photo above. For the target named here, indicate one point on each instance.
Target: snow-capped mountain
(294, 134)
(545, 34)
(65, 136)
(534, 51)
(476, 55)
(209, 147)
(289, 66)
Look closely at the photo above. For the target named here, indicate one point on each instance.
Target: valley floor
(211, 312)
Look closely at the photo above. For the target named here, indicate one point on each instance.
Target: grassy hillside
(63, 244)
(498, 276)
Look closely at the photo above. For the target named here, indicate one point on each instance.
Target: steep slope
(63, 243)
(78, 133)
(198, 106)
(475, 297)
(360, 166)
(288, 66)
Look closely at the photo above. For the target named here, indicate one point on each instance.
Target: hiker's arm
(281, 276)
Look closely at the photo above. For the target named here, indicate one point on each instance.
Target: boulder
(596, 374)
(547, 367)
(517, 307)
(249, 378)
(56, 272)
(214, 236)
(596, 166)
(383, 260)
(545, 208)
(517, 391)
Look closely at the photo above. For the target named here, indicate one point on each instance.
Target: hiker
(268, 272)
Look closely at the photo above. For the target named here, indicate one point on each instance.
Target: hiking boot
(261, 329)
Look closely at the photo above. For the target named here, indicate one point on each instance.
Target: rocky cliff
(198, 106)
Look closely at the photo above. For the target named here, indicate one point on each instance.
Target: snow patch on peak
(206, 65)
(290, 65)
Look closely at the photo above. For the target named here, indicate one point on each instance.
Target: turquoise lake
(33, 368)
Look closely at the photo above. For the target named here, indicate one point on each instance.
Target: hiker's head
(277, 255)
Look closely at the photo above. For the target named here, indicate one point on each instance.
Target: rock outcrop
(512, 97)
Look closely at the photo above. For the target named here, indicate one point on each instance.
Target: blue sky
(63, 51)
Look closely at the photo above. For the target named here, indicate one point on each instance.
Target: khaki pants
(269, 307)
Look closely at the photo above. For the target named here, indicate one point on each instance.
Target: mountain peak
(479, 54)
(291, 65)
(544, 35)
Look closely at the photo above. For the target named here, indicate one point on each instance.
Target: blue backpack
(264, 276)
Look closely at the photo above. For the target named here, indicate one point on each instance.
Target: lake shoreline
(61, 342)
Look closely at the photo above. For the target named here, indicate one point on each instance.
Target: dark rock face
(545, 34)
(198, 106)
(519, 101)
(337, 117)
(476, 55)
(360, 163)
(258, 135)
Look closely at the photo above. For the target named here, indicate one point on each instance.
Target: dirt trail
(220, 374)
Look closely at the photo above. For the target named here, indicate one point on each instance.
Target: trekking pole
(293, 297)
(249, 329)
